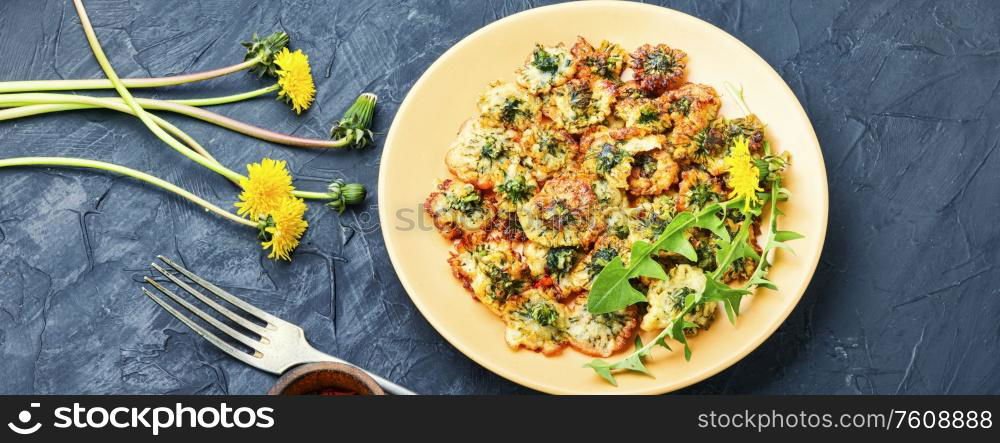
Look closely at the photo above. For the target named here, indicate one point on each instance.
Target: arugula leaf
(661, 341)
(677, 333)
(638, 347)
(603, 369)
(783, 236)
(730, 297)
(713, 223)
(681, 245)
(763, 283)
(613, 292)
(632, 363)
(612, 289)
(731, 250)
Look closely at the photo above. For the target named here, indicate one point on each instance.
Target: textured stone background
(903, 95)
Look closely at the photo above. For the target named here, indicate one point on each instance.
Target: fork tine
(252, 360)
(250, 309)
(208, 301)
(236, 335)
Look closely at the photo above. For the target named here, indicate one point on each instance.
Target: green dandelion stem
(228, 98)
(147, 118)
(200, 154)
(137, 109)
(101, 83)
(36, 109)
(138, 175)
(175, 106)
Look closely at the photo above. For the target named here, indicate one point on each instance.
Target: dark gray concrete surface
(903, 96)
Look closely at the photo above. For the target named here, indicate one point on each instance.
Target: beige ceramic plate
(445, 96)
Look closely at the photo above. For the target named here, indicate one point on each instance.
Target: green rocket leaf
(612, 289)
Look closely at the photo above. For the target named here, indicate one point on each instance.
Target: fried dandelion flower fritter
(508, 105)
(658, 68)
(580, 103)
(546, 67)
(653, 172)
(605, 156)
(587, 151)
(650, 217)
(666, 300)
(600, 335)
(491, 268)
(515, 187)
(535, 321)
(609, 154)
(644, 114)
(692, 107)
(547, 150)
(606, 61)
(715, 142)
(480, 155)
(458, 208)
(564, 213)
(697, 190)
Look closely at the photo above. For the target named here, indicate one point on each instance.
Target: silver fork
(281, 346)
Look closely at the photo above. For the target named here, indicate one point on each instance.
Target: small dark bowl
(314, 377)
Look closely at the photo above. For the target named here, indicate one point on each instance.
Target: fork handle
(388, 386)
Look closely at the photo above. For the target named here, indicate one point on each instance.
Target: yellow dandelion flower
(295, 79)
(285, 227)
(744, 177)
(268, 185)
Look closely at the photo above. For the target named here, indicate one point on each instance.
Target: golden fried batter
(580, 103)
(564, 213)
(600, 335)
(547, 150)
(480, 155)
(546, 67)
(458, 207)
(606, 62)
(653, 172)
(508, 105)
(691, 107)
(535, 321)
(490, 267)
(697, 189)
(658, 68)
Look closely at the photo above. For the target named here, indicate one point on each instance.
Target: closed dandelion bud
(342, 194)
(771, 166)
(265, 49)
(354, 193)
(353, 127)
